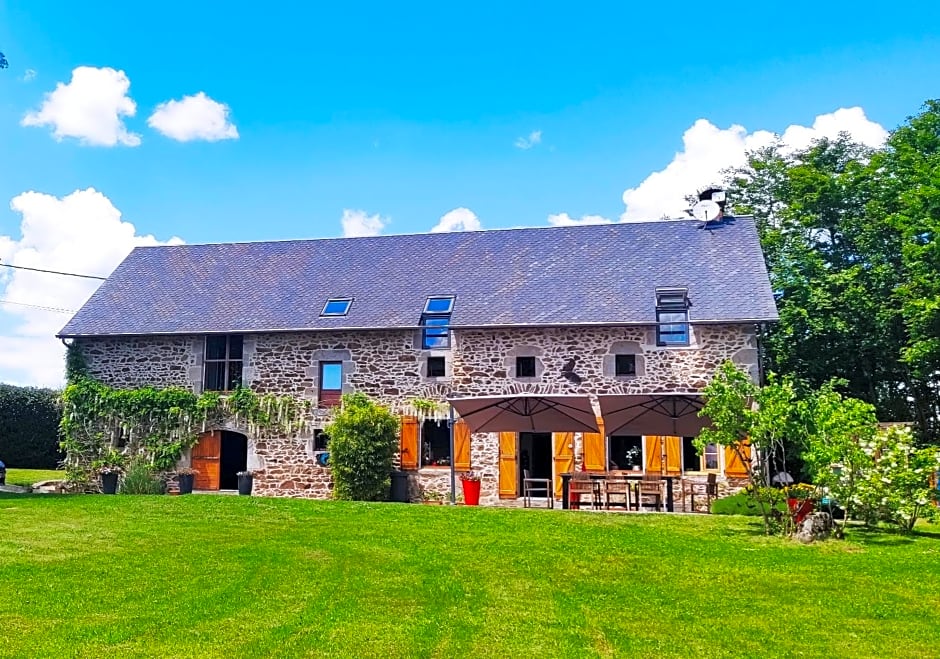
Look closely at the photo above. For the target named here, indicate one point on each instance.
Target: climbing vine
(159, 424)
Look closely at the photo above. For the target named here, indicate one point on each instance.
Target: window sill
(434, 470)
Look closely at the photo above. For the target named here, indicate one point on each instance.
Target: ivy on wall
(158, 424)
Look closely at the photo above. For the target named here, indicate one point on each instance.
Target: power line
(52, 272)
(38, 306)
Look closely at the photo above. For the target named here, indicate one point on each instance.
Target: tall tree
(836, 256)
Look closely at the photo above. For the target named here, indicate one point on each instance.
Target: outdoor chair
(580, 491)
(618, 493)
(710, 492)
(537, 486)
(650, 492)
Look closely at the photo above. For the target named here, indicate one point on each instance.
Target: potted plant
(632, 457)
(432, 498)
(186, 477)
(470, 481)
(109, 468)
(245, 480)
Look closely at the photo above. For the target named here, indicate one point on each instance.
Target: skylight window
(336, 306)
(439, 304)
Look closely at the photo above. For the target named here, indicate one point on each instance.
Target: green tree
(747, 418)
(836, 263)
(3, 61)
(363, 439)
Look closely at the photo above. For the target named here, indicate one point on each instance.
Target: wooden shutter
(461, 446)
(595, 449)
(508, 466)
(673, 455)
(205, 459)
(563, 457)
(654, 453)
(409, 442)
(734, 468)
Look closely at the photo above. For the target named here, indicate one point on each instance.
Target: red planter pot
(799, 509)
(471, 492)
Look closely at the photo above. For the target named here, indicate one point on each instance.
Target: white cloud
(195, 117)
(29, 75)
(82, 233)
(459, 219)
(565, 220)
(91, 108)
(358, 223)
(708, 149)
(534, 138)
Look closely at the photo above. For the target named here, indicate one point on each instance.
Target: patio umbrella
(652, 414)
(526, 413)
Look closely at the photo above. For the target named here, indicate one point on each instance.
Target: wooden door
(408, 450)
(508, 466)
(461, 446)
(563, 457)
(663, 454)
(206, 456)
(595, 449)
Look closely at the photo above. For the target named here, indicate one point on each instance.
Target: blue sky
(409, 111)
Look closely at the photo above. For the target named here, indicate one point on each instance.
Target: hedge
(29, 427)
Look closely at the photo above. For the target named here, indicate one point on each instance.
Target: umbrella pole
(453, 479)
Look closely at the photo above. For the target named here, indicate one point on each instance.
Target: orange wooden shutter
(595, 450)
(409, 442)
(673, 455)
(654, 453)
(564, 457)
(461, 446)
(205, 460)
(734, 468)
(508, 466)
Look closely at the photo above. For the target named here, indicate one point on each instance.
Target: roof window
(439, 304)
(337, 306)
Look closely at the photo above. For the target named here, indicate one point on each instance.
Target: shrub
(363, 438)
(743, 503)
(29, 427)
(141, 478)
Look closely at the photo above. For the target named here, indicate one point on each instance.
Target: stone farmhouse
(634, 309)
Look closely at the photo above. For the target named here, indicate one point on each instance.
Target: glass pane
(215, 376)
(436, 367)
(626, 365)
(690, 457)
(711, 456)
(525, 367)
(439, 305)
(331, 376)
(435, 444)
(215, 347)
(337, 307)
(235, 346)
(234, 375)
(671, 317)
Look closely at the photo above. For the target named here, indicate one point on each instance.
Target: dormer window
(435, 322)
(672, 316)
(337, 306)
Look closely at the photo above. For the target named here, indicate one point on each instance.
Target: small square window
(439, 304)
(525, 367)
(436, 367)
(336, 306)
(625, 365)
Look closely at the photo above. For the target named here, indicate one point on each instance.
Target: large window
(331, 383)
(223, 363)
(625, 451)
(672, 317)
(435, 444)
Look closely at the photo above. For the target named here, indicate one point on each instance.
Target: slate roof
(602, 274)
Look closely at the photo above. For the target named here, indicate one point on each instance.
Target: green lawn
(224, 576)
(27, 477)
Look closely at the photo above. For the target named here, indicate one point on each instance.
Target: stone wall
(391, 367)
